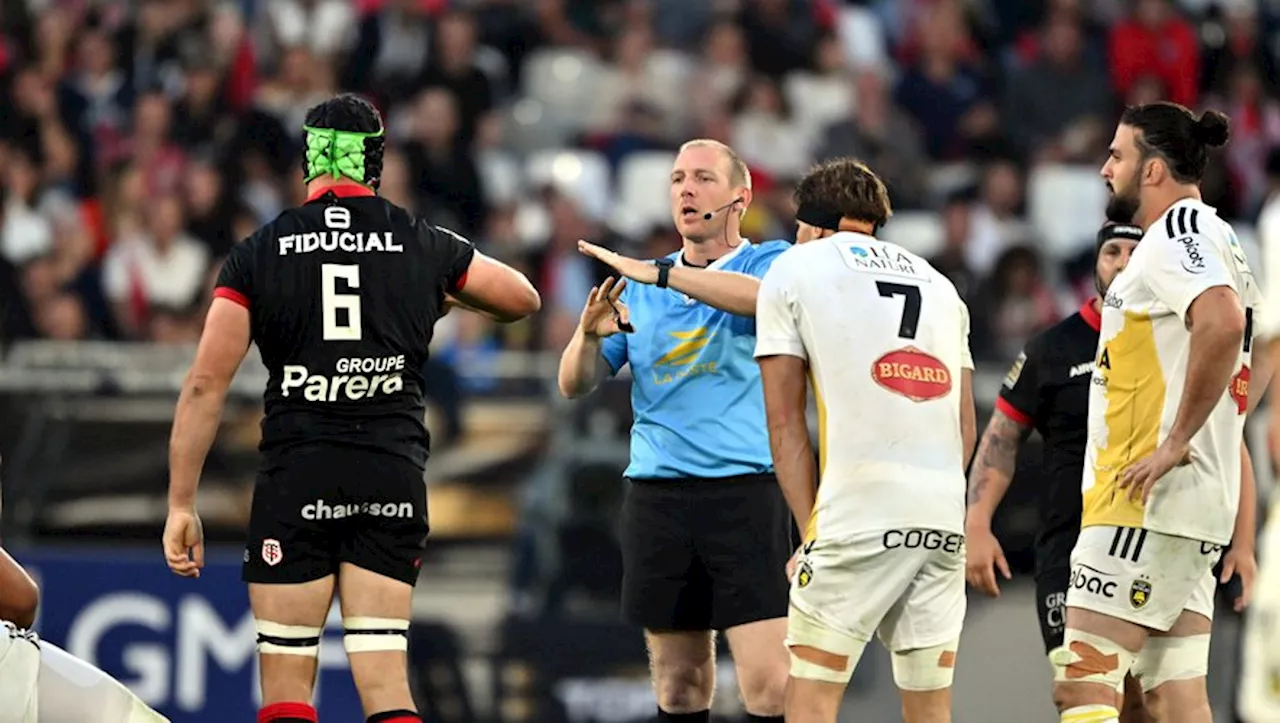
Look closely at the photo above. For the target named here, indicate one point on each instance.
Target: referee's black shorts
(704, 554)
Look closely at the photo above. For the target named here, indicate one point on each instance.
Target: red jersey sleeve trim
(230, 294)
(1091, 315)
(1012, 412)
(462, 282)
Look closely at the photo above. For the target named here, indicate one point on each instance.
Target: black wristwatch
(664, 270)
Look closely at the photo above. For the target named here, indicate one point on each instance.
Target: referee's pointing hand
(634, 269)
(604, 315)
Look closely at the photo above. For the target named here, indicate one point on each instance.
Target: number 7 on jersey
(910, 305)
(331, 301)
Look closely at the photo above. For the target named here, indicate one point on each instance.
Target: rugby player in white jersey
(42, 683)
(884, 340)
(1259, 694)
(1161, 483)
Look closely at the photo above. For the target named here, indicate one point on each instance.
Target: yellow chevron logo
(691, 344)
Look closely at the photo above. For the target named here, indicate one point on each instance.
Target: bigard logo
(911, 373)
(1239, 389)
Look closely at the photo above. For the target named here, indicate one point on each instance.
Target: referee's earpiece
(711, 214)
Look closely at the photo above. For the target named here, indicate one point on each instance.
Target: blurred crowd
(140, 140)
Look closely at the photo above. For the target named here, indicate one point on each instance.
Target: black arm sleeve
(1020, 394)
(235, 280)
(450, 253)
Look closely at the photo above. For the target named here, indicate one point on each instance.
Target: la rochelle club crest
(1139, 593)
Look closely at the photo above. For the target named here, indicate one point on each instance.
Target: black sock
(765, 718)
(395, 716)
(703, 716)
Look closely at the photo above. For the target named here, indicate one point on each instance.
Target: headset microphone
(711, 214)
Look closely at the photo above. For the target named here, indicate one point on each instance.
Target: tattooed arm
(988, 482)
(993, 469)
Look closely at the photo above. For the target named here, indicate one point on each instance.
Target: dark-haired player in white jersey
(340, 295)
(1169, 393)
(1047, 389)
(884, 340)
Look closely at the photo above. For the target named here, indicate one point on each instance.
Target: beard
(1122, 207)
(1100, 285)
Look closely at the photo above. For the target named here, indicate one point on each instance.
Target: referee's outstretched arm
(728, 291)
(725, 290)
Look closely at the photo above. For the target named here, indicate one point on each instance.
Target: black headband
(819, 216)
(1118, 230)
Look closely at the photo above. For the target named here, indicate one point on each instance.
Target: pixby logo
(913, 374)
(271, 552)
(1239, 389)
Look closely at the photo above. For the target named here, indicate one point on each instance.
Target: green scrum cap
(340, 154)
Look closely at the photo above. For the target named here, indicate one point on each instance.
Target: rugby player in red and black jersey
(340, 295)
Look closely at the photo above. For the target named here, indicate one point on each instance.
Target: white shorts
(1144, 577)
(1259, 699)
(19, 674)
(906, 586)
(73, 691)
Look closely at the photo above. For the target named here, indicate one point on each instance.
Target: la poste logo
(913, 374)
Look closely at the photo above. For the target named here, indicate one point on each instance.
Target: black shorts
(704, 554)
(1053, 575)
(1051, 604)
(323, 506)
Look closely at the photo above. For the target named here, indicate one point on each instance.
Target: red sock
(287, 713)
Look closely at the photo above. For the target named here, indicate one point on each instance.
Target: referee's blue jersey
(697, 402)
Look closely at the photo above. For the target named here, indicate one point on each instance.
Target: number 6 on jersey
(331, 301)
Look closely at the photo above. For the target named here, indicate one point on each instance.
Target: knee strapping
(803, 630)
(277, 639)
(373, 635)
(1087, 658)
(1091, 714)
(1165, 659)
(926, 669)
(806, 670)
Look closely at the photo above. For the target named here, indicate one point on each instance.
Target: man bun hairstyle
(1213, 129)
(1174, 134)
(344, 138)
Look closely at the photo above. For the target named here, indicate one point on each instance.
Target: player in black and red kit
(1047, 389)
(340, 295)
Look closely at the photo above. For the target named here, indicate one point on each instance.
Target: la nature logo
(912, 373)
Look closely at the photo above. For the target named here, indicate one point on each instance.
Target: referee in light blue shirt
(705, 530)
